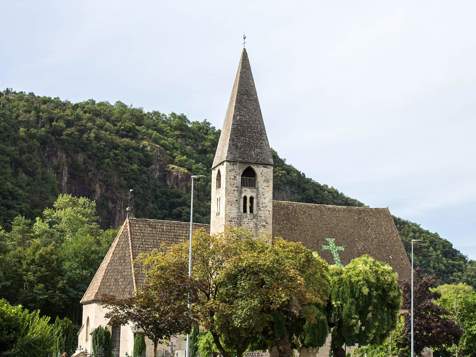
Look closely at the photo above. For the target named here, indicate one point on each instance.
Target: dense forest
(100, 150)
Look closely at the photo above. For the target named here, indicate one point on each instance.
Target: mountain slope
(99, 150)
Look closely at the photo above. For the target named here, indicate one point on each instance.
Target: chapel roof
(119, 273)
(243, 137)
(360, 230)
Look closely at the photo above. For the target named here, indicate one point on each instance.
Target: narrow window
(87, 328)
(248, 177)
(252, 204)
(218, 180)
(218, 206)
(245, 202)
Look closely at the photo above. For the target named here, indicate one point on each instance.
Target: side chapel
(241, 195)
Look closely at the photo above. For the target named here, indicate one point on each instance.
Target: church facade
(241, 195)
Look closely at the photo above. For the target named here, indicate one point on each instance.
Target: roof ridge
(333, 206)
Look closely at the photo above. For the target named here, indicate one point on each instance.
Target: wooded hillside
(49, 146)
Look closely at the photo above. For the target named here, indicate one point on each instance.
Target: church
(241, 195)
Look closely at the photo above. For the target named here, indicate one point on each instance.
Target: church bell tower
(242, 171)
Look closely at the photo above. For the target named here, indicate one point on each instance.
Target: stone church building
(242, 195)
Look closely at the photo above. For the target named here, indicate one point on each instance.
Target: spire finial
(130, 204)
(244, 41)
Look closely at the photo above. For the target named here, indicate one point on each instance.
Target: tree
(365, 300)
(47, 264)
(459, 301)
(469, 274)
(139, 345)
(432, 327)
(101, 341)
(246, 292)
(26, 333)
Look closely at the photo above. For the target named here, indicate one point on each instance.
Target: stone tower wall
(230, 196)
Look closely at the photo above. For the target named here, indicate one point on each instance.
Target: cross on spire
(334, 249)
(244, 41)
(130, 204)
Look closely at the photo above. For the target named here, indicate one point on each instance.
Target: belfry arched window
(218, 179)
(245, 204)
(248, 177)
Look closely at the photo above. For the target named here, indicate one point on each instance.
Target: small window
(248, 177)
(252, 205)
(218, 206)
(87, 328)
(218, 179)
(245, 203)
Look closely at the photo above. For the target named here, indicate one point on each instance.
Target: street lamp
(411, 304)
(193, 177)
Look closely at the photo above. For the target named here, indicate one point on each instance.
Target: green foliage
(206, 345)
(433, 328)
(26, 333)
(50, 262)
(139, 345)
(9, 326)
(194, 335)
(389, 347)
(66, 336)
(433, 255)
(244, 291)
(101, 341)
(460, 302)
(365, 299)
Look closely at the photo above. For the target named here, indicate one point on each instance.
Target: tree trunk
(282, 347)
(155, 348)
(338, 351)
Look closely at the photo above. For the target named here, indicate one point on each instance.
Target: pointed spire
(243, 137)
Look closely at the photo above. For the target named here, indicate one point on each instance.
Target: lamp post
(411, 305)
(193, 177)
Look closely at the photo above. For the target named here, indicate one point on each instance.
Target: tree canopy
(365, 300)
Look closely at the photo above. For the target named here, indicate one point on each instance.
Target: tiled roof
(243, 137)
(359, 230)
(117, 275)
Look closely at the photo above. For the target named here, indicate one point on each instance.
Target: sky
(376, 98)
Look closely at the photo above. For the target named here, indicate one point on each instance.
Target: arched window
(87, 328)
(218, 179)
(252, 204)
(245, 203)
(248, 177)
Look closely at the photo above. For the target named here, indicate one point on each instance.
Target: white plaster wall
(96, 314)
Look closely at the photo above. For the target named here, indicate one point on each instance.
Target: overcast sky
(376, 98)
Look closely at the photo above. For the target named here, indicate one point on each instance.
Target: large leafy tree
(47, 264)
(25, 333)
(246, 292)
(365, 301)
(277, 292)
(432, 326)
(460, 302)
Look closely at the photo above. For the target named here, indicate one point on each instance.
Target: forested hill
(99, 150)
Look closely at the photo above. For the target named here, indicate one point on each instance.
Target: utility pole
(193, 177)
(411, 308)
